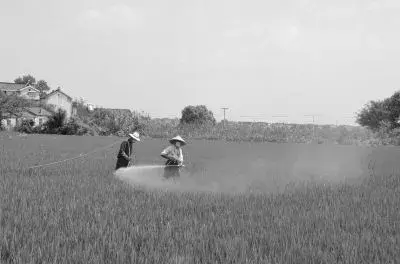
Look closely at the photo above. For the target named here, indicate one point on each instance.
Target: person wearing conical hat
(174, 156)
(125, 153)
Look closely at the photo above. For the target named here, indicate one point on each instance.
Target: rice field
(80, 212)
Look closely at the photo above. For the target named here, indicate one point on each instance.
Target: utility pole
(224, 108)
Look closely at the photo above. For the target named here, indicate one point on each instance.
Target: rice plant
(77, 212)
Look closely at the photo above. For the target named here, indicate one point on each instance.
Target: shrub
(26, 126)
(56, 122)
(40, 129)
(118, 122)
(73, 128)
(386, 135)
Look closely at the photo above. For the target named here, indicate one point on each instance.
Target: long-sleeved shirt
(173, 152)
(125, 150)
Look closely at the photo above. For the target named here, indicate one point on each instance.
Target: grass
(79, 213)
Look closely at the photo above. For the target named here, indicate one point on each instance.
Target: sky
(277, 61)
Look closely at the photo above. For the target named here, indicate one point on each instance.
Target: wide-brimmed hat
(177, 138)
(135, 136)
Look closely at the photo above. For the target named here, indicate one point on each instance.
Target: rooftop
(38, 111)
(59, 90)
(6, 86)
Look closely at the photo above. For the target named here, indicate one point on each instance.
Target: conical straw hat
(177, 138)
(135, 136)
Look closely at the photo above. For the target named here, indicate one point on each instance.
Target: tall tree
(197, 115)
(42, 86)
(26, 79)
(376, 113)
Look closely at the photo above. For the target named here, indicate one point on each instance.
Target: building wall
(9, 123)
(40, 120)
(10, 92)
(30, 93)
(60, 101)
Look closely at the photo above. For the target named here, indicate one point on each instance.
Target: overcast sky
(260, 58)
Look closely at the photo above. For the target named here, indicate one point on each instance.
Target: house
(26, 91)
(60, 100)
(9, 120)
(37, 115)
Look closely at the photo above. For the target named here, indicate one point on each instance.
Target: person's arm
(122, 150)
(166, 153)
(180, 158)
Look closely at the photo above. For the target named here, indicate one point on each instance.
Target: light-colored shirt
(174, 152)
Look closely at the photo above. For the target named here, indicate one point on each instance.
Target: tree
(393, 106)
(26, 126)
(26, 79)
(197, 115)
(42, 86)
(56, 121)
(375, 113)
(106, 120)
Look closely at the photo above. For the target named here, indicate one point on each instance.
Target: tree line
(381, 117)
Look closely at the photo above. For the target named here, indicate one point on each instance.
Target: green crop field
(79, 212)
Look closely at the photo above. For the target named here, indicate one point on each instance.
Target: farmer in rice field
(125, 156)
(173, 155)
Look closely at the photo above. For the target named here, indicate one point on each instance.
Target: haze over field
(259, 58)
(256, 167)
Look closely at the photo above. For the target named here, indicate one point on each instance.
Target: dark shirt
(126, 149)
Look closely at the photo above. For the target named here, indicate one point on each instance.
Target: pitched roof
(38, 111)
(30, 87)
(6, 86)
(30, 112)
(59, 90)
(10, 115)
(26, 114)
